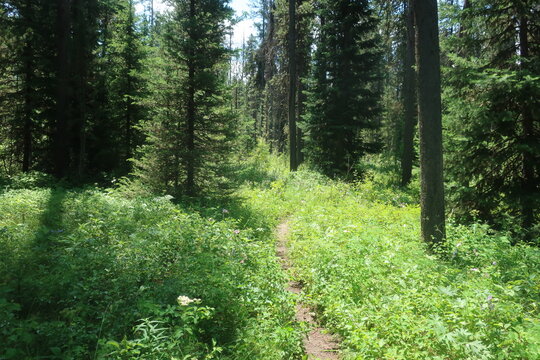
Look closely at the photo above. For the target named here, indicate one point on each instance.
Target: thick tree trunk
(301, 107)
(61, 136)
(129, 87)
(430, 120)
(527, 124)
(409, 100)
(82, 44)
(462, 27)
(292, 86)
(28, 106)
(190, 166)
(82, 49)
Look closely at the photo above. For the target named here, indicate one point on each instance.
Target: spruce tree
(189, 132)
(25, 83)
(124, 89)
(343, 99)
(492, 93)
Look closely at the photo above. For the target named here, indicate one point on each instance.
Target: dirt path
(318, 345)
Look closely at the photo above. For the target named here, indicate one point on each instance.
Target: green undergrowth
(356, 248)
(117, 274)
(91, 274)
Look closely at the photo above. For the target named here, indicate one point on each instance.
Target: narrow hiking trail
(317, 343)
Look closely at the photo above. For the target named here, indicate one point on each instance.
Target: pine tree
(25, 87)
(125, 88)
(187, 138)
(491, 93)
(343, 98)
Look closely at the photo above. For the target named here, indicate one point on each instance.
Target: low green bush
(28, 180)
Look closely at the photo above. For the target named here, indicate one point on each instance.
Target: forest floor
(267, 273)
(318, 343)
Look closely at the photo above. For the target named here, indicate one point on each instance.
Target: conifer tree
(125, 88)
(492, 92)
(343, 98)
(187, 137)
(25, 85)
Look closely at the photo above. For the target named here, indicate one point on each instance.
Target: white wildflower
(185, 301)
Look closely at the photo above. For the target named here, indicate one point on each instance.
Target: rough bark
(190, 163)
(409, 100)
(292, 86)
(430, 121)
(81, 68)
(527, 125)
(28, 106)
(61, 136)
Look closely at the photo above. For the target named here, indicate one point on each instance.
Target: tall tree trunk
(409, 99)
(82, 45)
(264, 118)
(129, 121)
(462, 27)
(300, 135)
(527, 124)
(61, 136)
(190, 168)
(292, 86)
(81, 100)
(129, 86)
(270, 122)
(28, 56)
(302, 60)
(430, 121)
(152, 15)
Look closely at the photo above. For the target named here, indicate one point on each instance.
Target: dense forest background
(357, 95)
(92, 91)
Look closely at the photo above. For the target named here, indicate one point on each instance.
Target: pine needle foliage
(343, 96)
(189, 132)
(491, 93)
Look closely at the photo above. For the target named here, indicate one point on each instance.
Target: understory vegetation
(357, 249)
(153, 151)
(94, 273)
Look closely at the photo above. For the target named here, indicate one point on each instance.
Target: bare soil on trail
(318, 344)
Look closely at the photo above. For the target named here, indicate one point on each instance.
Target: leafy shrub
(29, 180)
